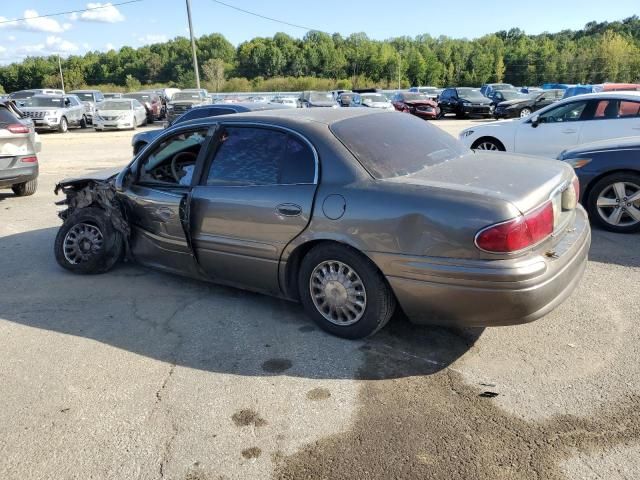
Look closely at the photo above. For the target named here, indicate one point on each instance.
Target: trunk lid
(524, 181)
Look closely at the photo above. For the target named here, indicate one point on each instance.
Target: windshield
(470, 93)
(22, 94)
(85, 97)
(185, 96)
(111, 105)
(320, 97)
(112, 95)
(512, 95)
(142, 97)
(396, 145)
(415, 96)
(374, 98)
(56, 102)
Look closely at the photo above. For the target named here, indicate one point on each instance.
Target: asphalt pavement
(136, 374)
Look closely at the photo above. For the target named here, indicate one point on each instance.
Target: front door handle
(568, 131)
(289, 209)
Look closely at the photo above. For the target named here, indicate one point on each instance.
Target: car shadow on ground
(205, 326)
(615, 248)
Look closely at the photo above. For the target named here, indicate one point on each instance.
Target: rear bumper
(15, 175)
(489, 292)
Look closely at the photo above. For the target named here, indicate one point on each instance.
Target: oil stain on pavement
(434, 426)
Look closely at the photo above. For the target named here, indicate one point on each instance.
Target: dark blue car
(142, 139)
(609, 174)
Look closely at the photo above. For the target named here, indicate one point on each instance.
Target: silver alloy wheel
(487, 146)
(525, 112)
(81, 242)
(338, 292)
(619, 204)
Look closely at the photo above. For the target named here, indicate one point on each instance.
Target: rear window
(392, 145)
(6, 116)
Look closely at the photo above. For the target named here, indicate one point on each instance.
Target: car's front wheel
(614, 202)
(488, 144)
(63, 126)
(83, 122)
(87, 242)
(525, 112)
(343, 292)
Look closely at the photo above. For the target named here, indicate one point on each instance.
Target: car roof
(84, 91)
(295, 116)
(245, 106)
(624, 95)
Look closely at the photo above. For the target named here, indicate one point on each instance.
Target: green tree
(213, 70)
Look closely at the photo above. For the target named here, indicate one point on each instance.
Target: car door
(612, 118)
(157, 202)
(445, 101)
(557, 129)
(254, 197)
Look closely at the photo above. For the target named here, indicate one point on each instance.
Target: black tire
(25, 189)
(598, 188)
(380, 301)
(99, 261)
(440, 114)
(525, 112)
(64, 125)
(83, 122)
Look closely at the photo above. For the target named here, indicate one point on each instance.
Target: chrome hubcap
(338, 292)
(619, 204)
(525, 113)
(81, 242)
(487, 146)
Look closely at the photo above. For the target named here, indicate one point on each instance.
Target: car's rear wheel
(488, 144)
(343, 292)
(25, 189)
(614, 202)
(525, 112)
(63, 126)
(87, 242)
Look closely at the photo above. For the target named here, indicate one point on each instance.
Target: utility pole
(60, 69)
(193, 46)
(399, 63)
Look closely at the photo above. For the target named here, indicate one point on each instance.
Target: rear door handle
(568, 131)
(289, 209)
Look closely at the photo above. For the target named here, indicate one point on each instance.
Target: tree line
(606, 51)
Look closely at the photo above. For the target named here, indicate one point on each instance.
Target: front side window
(569, 112)
(47, 101)
(260, 156)
(173, 161)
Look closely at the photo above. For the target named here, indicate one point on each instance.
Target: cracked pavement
(141, 375)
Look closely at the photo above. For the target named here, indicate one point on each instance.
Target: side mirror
(121, 178)
(535, 121)
(67, 101)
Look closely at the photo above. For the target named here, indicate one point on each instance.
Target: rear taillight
(32, 159)
(518, 233)
(17, 128)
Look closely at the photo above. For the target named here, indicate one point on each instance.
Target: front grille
(110, 117)
(181, 108)
(424, 109)
(35, 114)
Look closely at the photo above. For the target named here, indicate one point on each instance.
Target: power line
(267, 18)
(70, 11)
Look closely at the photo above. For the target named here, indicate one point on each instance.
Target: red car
(416, 104)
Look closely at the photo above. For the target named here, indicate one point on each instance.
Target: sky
(150, 21)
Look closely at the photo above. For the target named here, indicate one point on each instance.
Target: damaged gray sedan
(352, 212)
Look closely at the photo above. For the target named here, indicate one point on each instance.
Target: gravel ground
(140, 375)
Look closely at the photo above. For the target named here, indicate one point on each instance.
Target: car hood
(614, 144)
(476, 101)
(39, 109)
(524, 181)
(379, 105)
(509, 103)
(186, 102)
(428, 103)
(100, 176)
(321, 103)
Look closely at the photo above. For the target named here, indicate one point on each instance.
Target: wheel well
(295, 259)
(589, 186)
(139, 146)
(493, 139)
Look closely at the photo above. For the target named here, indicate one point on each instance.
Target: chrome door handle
(289, 209)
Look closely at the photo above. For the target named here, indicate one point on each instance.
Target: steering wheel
(188, 156)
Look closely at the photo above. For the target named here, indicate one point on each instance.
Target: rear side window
(6, 116)
(390, 145)
(260, 156)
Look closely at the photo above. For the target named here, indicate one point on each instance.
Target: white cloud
(101, 12)
(152, 38)
(59, 45)
(110, 46)
(34, 23)
(11, 38)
